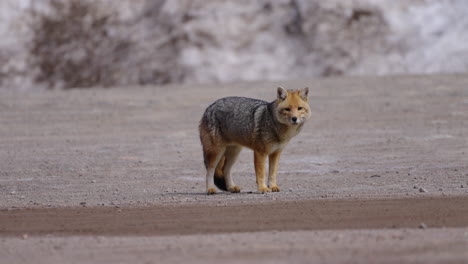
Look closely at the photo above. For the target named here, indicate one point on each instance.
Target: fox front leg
(259, 161)
(273, 170)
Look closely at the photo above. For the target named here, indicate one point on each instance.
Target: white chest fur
(285, 138)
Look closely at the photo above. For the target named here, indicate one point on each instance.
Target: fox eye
(287, 109)
(299, 108)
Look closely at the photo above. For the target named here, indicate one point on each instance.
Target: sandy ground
(379, 157)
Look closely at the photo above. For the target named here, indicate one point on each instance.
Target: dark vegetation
(77, 43)
(81, 43)
(72, 46)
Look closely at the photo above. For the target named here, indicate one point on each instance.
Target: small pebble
(83, 203)
(375, 176)
(25, 236)
(422, 226)
(422, 190)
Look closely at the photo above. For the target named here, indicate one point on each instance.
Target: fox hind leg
(212, 158)
(231, 154)
(219, 179)
(219, 171)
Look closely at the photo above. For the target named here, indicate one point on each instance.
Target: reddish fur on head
(292, 106)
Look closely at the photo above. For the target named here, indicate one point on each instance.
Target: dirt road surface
(378, 175)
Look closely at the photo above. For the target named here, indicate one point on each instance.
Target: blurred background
(63, 44)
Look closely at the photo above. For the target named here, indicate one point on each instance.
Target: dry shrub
(337, 39)
(73, 47)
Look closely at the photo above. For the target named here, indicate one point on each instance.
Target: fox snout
(296, 120)
(293, 116)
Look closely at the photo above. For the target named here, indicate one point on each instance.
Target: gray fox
(231, 123)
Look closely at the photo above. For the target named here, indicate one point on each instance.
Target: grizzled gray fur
(244, 120)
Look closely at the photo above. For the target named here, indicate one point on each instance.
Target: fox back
(253, 123)
(239, 120)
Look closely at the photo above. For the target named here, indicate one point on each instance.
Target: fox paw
(264, 189)
(211, 191)
(275, 189)
(234, 189)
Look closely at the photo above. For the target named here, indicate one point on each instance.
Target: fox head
(292, 107)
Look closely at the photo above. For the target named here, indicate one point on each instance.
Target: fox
(232, 123)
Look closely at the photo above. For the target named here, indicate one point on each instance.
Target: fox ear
(304, 93)
(282, 93)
